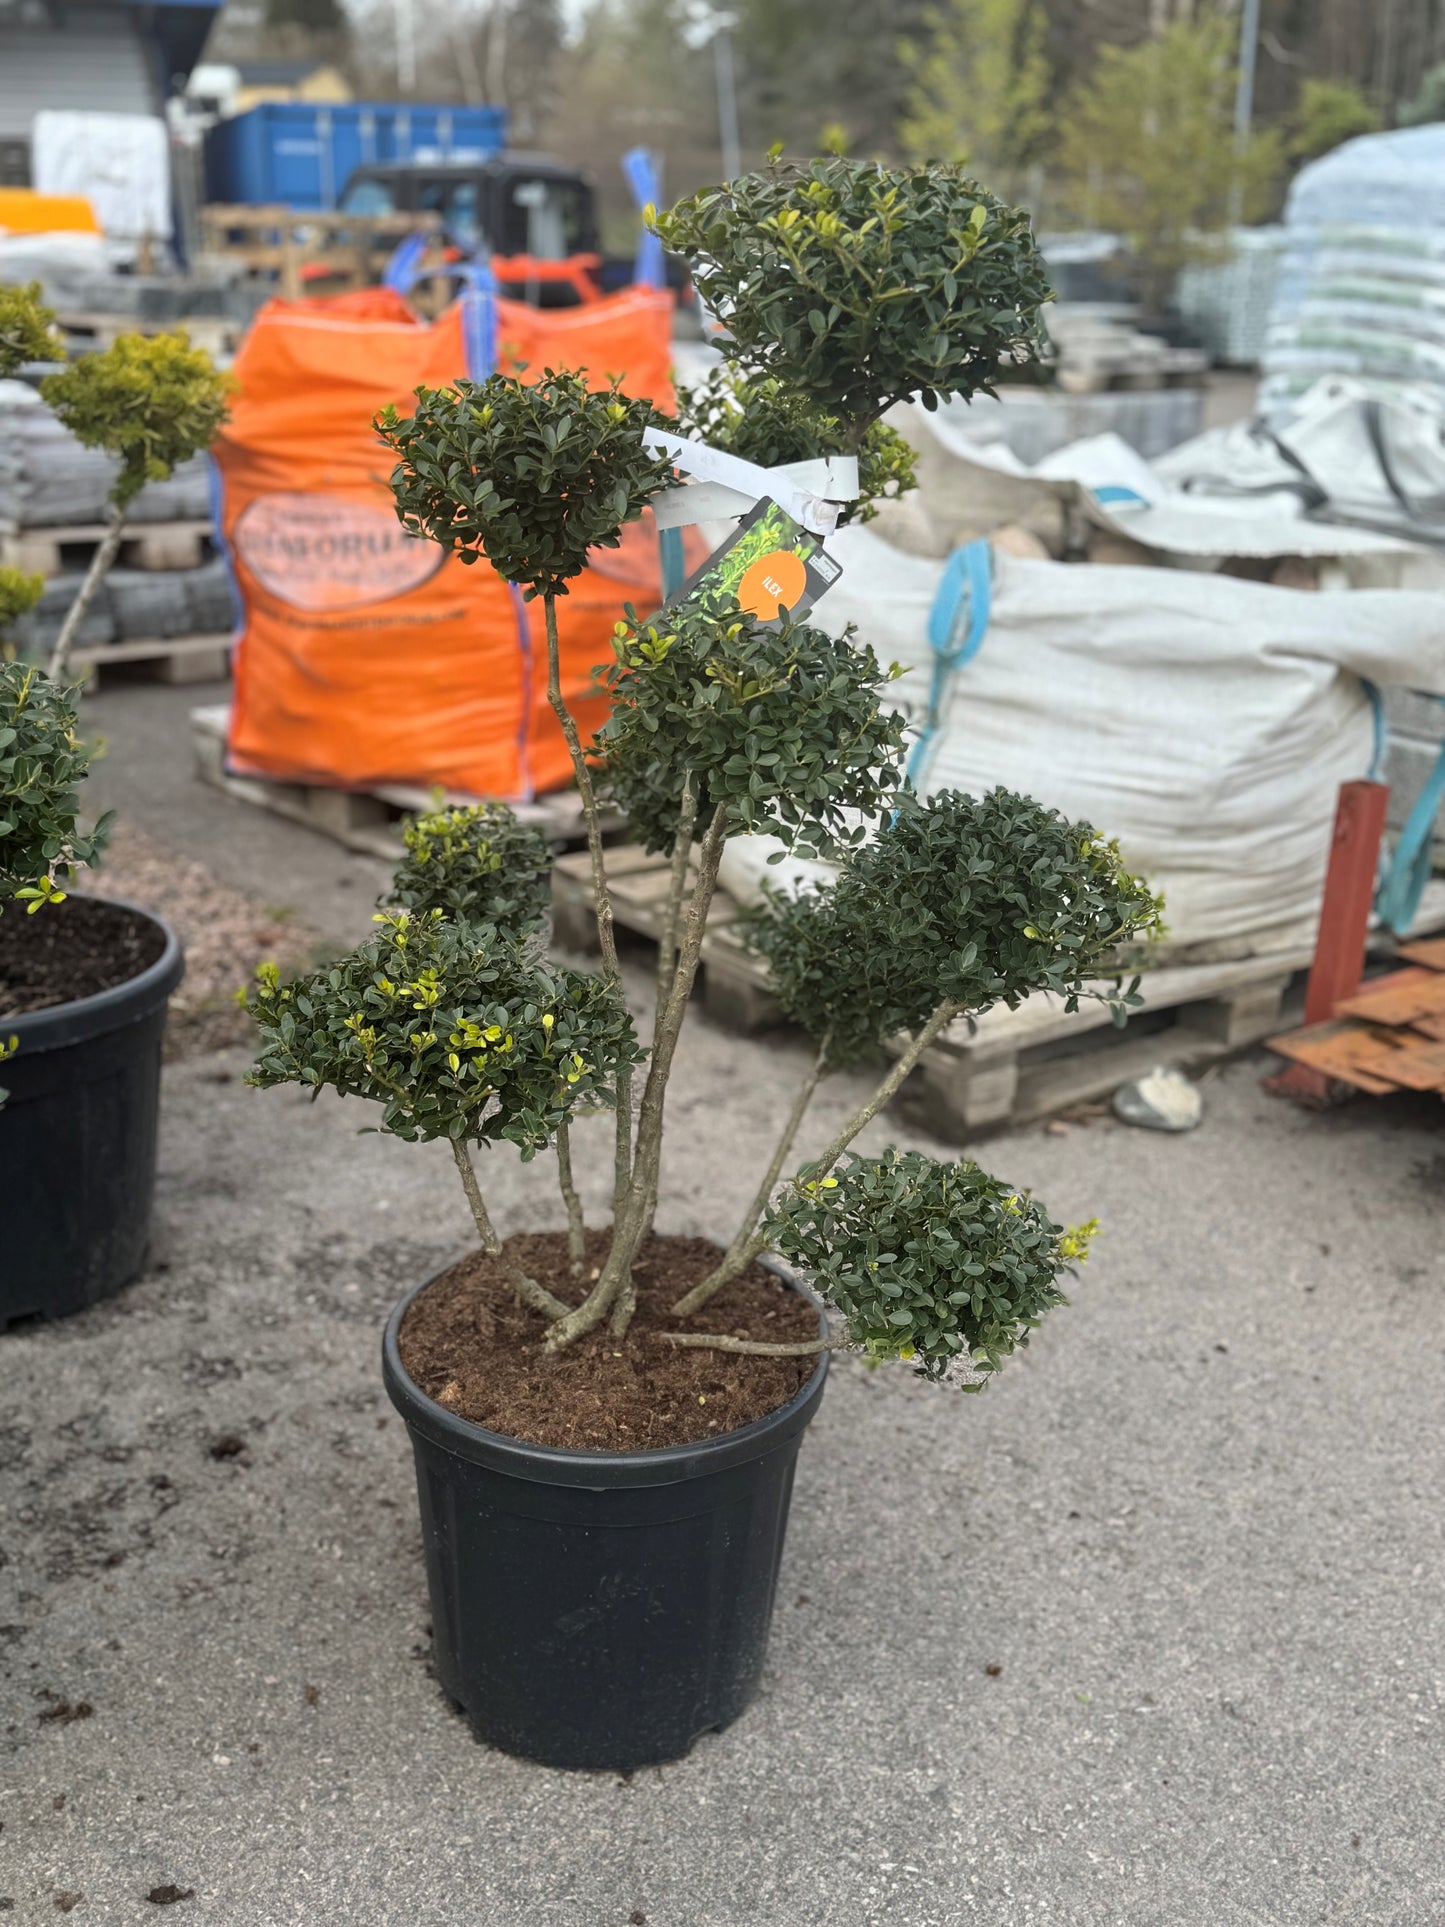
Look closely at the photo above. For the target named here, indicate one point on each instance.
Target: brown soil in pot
(70, 950)
(465, 1343)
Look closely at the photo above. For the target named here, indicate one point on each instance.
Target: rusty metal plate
(1341, 1050)
(1429, 951)
(1400, 998)
(1419, 1066)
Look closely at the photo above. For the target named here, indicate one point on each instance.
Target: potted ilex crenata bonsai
(606, 1417)
(84, 981)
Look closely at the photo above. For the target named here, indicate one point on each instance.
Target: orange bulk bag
(364, 655)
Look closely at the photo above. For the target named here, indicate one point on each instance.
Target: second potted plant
(84, 981)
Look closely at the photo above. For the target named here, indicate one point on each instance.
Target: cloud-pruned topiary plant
(779, 726)
(476, 864)
(939, 1263)
(43, 763)
(760, 419)
(152, 401)
(858, 285)
(849, 285)
(27, 329)
(458, 1034)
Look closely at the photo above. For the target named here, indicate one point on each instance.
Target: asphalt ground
(1150, 1633)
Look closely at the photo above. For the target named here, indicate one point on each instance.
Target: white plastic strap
(727, 486)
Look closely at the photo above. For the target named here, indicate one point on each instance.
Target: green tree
(1429, 103)
(979, 89)
(1148, 152)
(152, 401)
(1328, 112)
(26, 329)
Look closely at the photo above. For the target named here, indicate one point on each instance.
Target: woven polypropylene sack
(366, 656)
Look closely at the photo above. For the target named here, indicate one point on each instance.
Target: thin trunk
(734, 1260)
(666, 971)
(601, 897)
(100, 564)
(667, 936)
(714, 1342)
(822, 1165)
(630, 1222)
(536, 1297)
(576, 1228)
(865, 1113)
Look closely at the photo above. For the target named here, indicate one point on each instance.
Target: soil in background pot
(466, 1343)
(71, 950)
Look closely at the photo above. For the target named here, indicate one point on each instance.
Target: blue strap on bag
(957, 623)
(1404, 876)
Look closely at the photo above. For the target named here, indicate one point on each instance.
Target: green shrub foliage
(938, 1263)
(25, 329)
(475, 865)
(19, 592)
(858, 285)
(531, 477)
(758, 418)
(152, 401)
(781, 723)
(455, 1030)
(971, 901)
(42, 765)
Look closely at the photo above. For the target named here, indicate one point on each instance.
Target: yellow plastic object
(23, 211)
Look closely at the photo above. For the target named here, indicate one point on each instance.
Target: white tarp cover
(1362, 281)
(1348, 450)
(1231, 493)
(121, 162)
(1203, 720)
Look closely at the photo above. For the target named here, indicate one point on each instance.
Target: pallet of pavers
(1008, 1066)
(171, 659)
(366, 820)
(145, 545)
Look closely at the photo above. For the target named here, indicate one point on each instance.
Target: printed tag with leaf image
(771, 566)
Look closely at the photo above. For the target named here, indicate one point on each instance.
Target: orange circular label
(772, 584)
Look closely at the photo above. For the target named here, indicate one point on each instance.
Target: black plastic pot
(599, 1609)
(78, 1141)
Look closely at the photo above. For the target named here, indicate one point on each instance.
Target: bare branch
(536, 1297)
(630, 1221)
(736, 1259)
(601, 896)
(100, 564)
(822, 1165)
(715, 1342)
(576, 1227)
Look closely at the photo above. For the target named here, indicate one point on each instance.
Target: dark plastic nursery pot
(78, 1140)
(599, 1609)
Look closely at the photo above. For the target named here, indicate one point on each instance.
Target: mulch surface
(466, 1343)
(70, 950)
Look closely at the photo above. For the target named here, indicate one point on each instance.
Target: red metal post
(1339, 959)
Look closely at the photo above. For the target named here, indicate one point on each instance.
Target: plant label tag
(770, 565)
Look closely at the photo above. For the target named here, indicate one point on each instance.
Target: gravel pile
(225, 934)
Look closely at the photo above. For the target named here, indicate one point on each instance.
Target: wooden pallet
(735, 987)
(172, 659)
(145, 545)
(84, 329)
(1014, 1066)
(366, 820)
(307, 251)
(1105, 379)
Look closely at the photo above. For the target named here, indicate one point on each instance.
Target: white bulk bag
(1205, 721)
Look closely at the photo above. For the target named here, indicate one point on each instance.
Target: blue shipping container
(297, 154)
